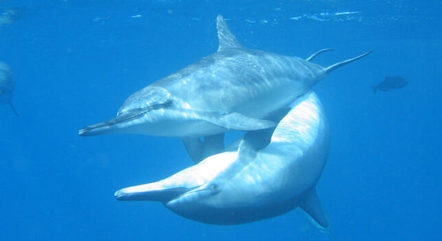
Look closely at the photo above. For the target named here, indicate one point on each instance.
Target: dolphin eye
(147, 99)
(157, 97)
(155, 106)
(213, 187)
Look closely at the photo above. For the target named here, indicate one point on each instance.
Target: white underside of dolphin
(234, 89)
(248, 184)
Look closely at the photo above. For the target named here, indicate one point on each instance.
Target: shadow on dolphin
(248, 184)
(234, 89)
(7, 86)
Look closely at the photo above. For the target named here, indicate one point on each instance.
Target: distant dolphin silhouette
(246, 184)
(234, 89)
(6, 86)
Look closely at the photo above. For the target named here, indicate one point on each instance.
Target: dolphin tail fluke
(342, 63)
(13, 109)
(312, 206)
(317, 53)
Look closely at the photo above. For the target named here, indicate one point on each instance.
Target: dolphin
(248, 184)
(233, 89)
(6, 86)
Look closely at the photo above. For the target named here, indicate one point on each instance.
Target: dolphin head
(190, 181)
(148, 99)
(188, 191)
(143, 112)
(209, 191)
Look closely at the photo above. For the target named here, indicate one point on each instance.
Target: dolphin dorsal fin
(225, 38)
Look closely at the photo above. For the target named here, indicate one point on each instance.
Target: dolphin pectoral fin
(198, 150)
(240, 122)
(312, 206)
(213, 144)
(194, 148)
(261, 138)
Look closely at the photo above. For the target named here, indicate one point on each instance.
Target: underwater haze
(75, 62)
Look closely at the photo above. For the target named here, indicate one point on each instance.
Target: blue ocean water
(75, 62)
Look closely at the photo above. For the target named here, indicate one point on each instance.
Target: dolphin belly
(234, 215)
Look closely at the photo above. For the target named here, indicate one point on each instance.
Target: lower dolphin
(250, 184)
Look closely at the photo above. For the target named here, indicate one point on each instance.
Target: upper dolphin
(249, 184)
(234, 89)
(6, 86)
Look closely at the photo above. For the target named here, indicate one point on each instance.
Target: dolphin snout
(126, 195)
(140, 192)
(97, 129)
(150, 192)
(120, 195)
(118, 124)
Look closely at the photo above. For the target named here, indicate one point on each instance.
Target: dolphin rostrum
(234, 89)
(6, 86)
(247, 184)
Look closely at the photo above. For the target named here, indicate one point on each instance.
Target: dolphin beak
(111, 126)
(122, 195)
(141, 192)
(150, 192)
(97, 129)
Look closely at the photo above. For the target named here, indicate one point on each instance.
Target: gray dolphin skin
(6, 86)
(248, 184)
(234, 89)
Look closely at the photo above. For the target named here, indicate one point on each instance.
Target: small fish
(6, 86)
(390, 83)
